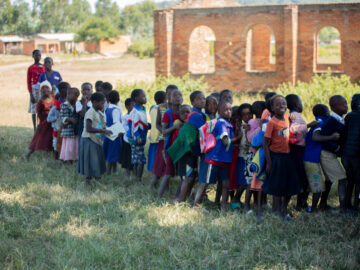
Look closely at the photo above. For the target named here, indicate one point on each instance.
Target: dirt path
(14, 97)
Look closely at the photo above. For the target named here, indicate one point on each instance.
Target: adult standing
(50, 75)
(33, 74)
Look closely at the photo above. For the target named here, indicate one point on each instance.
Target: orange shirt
(278, 132)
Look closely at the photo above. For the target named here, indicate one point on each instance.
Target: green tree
(15, 17)
(78, 12)
(108, 9)
(96, 29)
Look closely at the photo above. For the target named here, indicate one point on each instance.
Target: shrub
(142, 48)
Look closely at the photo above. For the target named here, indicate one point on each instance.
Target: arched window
(260, 49)
(202, 50)
(328, 46)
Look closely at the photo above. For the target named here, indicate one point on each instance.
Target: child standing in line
(281, 182)
(351, 152)
(91, 162)
(159, 170)
(83, 105)
(266, 115)
(138, 128)
(50, 75)
(69, 131)
(98, 86)
(219, 158)
(125, 154)
(112, 148)
(226, 96)
(42, 139)
(312, 153)
(169, 128)
(160, 97)
(331, 148)
(211, 107)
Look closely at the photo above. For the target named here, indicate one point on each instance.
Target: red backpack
(206, 136)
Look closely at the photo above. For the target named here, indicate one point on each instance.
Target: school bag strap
(206, 136)
(171, 123)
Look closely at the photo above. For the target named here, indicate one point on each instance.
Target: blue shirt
(313, 149)
(330, 126)
(54, 78)
(197, 119)
(219, 152)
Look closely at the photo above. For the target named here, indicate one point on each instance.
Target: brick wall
(294, 28)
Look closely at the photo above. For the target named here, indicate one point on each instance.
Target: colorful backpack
(206, 136)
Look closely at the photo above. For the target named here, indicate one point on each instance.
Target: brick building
(250, 48)
(11, 44)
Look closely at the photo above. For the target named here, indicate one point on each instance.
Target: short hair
(222, 104)
(224, 92)
(107, 86)
(243, 107)
(320, 110)
(335, 99)
(114, 97)
(292, 101)
(35, 51)
(258, 107)
(272, 99)
(355, 102)
(160, 97)
(49, 58)
(135, 93)
(185, 106)
(86, 83)
(235, 110)
(98, 83)
(212, 97)
(128, 101)
(194, 95)
(216, 95)
(63, 86)
(97, 96)
(171, 87)
(75, 90)
(269, 95)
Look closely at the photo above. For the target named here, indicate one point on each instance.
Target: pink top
(265, 115)
(254, 129)
(299, 128)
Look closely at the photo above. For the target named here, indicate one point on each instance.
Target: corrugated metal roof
(59, 36)
(11, 39)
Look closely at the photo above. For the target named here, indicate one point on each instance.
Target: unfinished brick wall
(294, 28)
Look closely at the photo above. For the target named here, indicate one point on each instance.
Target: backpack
(206, 136)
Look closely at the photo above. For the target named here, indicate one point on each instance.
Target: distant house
(118, 45)
(11, 44)
(50, 43)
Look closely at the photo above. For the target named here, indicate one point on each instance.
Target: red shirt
(33, 75)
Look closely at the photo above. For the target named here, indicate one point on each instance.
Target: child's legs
(284, 205)
(28, 154)
(33, 117)
(179, 187)
(259, 203)
(154, 181)
(247, 198)
(187, 169)
(164, 184)
(315, 200)
(356, 200)
(224, 193)
(218, 192)
(199, 193)
(185, 188)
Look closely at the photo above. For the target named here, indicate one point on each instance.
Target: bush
(142, 48)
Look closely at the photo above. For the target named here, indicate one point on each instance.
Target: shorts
(331, 166)
(138, 154)
(315, 176)
(210, 173)
(187, 165)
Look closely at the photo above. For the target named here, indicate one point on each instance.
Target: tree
(96, 29)
(15, 17)
(108, 9)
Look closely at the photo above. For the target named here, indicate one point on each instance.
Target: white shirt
(125, 119)
(116, 114)
(338, 118)
(78, 105)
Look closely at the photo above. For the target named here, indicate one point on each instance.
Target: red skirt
(159, 162)
(232, 170)
(42, 139)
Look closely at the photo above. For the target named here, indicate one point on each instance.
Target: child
(331, 148)
(83, 105)
(160, 97)
(188, 160)
(55, 120)
(266, 115)
(98, 86)
(33, 74)
(125, 155)
(112, 148)
(52, 76)
(159, 170)
(351, 151)
(169, 128)
(69, 130)
(312, 153)
(106, 88)
(211, 107)
(281, 182)
(138, 128)
(42, 139)
(226, 96)
(91, 162)
(219, 158)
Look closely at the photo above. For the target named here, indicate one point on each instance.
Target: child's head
(245, 112)
(257, 108)
(338, 104)
(355, 103)
(268, 97)
(226, 96)
(129, 104)
(169, 90)
(235, 116)
(48, 63)
(138, 96)
(98, 101)
(225, 110)
(176, 97)
(197, 100)
(184, 112)
(86, 90)
(217, 96)
(45, 89)
(211, 105)
(278, 105)
(98, 86)
(321, 110)
(160, 97)
(114, 97)
(36, 54)
(106, 89)
(294, 103)
(63, 88)
(72, 95)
